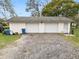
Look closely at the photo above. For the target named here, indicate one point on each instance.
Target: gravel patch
(40, 46)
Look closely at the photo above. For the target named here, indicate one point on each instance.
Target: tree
(34, 6)
(67, 8)
(1, 20)
(6, 8)
(76, 18)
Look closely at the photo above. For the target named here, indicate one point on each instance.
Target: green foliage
(76, 32)
(76, 18)
(74, 39)
(61, 7)
(1, 20)
(6, 27)
(5, 24)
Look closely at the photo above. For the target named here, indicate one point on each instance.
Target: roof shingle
(39, 19)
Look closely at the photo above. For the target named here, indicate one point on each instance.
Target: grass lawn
(74, 39)
(7, 39)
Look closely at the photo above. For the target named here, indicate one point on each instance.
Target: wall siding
(17, 27)
(40, 28)
(69, 27)
(64, 27)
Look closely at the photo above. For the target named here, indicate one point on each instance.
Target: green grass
(74, 39)
(7, 39)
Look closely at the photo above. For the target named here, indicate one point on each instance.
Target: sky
(20, 6)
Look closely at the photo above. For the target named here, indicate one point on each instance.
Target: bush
(16, 33)
(5, 24)
(1, 28)
(6, 27)
(76, 32)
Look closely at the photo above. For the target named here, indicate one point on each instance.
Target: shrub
(16, 33)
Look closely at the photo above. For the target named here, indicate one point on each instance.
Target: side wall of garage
(17, 27)
(64, 27)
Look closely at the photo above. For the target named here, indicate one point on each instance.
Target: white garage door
(65, 27)
(51, 28)
(32, 28)
(42, 28)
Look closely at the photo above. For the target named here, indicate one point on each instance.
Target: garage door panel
(32, 28)
(51, 28)
(65, 27)
(41, 27)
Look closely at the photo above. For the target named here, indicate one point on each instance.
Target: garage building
(40, 24)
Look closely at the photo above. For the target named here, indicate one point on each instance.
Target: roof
(39, 19)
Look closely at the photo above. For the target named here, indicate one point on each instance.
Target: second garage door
(51, 28)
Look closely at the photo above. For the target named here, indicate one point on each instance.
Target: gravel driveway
(40, 46)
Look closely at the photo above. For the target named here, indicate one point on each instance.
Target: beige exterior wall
(64, 28)
(17, 27)
(69, 28)
(41, 28)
